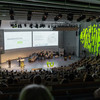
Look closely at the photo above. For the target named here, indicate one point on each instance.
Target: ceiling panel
(53, 7)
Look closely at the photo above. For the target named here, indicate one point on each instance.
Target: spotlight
(70, 16)
(19, 26)
(31, 25)
(90, 18)
(82, 17)
(25, 25)
(42, 25)
(36, 26)
(15, 25)
(57, 17)
(11, 12)
(12, 25)
(45, 16)
(48, 26)
(29, 15)
(98, 20)
(54, 27)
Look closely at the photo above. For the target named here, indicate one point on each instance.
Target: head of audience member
(3, 84)
(88, 78)
(71, 77)
(97, 94)
(35, 92)
(10, 80)
(37, 79)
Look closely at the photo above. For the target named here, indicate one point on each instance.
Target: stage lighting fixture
(15, 25)
(90, 18)
(25, 25)
(29, 15)
(70, 16)
(36, 26)
(60, 16)
(82, 17)
(45, 16)
(56, 18)
(98, 20)
(11, 13)
(12, 25)
(19, 26)
(42, 25)
(48, 26)
(31, 25)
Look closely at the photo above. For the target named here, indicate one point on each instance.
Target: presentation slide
(45, 38)
(14, 40)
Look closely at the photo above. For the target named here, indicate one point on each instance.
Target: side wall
(70, 42)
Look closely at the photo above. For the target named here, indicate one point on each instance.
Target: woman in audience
(35, 92)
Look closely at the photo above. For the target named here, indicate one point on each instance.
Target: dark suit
(9, 63)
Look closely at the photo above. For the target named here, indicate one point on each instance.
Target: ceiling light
(31, 26)
(82, 17)
(11, 13)
(98, 20)
(36, 26)
(56, 18)
(29, 15)
(45, 16)
(25, 25)
(90, 18)
(70, 16)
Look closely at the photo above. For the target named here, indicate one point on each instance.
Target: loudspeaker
(29, 15)
(0, 23)
(76, 33)
(11, 13)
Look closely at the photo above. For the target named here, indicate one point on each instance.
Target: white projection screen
(45, 38)
(18, 39)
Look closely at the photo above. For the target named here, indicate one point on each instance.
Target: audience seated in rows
(60, 75)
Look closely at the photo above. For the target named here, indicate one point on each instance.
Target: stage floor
(39, 64)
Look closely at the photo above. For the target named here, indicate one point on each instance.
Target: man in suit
(9, 63)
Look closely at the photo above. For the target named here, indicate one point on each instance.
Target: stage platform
(39, 64)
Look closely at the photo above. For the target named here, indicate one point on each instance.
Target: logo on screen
(19, 42)
(50, 64)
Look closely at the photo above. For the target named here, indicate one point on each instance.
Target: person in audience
(37, 79)
(10, 80)
(3, 84)
(97, 94)
(88, 66)
(35, 92)
(88, 78)
(71, 76)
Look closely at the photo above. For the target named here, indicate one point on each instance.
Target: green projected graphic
(49, 64)
(90, 38)
(19, 42)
